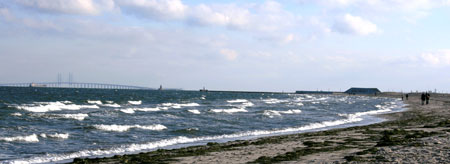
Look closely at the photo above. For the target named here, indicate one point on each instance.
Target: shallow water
(44, 125)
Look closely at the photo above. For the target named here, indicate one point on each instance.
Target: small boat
(203, 90)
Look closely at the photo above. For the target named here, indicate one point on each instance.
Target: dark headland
(420, 134)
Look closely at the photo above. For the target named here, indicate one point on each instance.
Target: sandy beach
(420, 134)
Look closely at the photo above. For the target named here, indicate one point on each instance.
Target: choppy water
(44, 125)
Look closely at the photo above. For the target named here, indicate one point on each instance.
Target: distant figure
(427, 97)
(423, 97)
(406, 96)
(402, 97)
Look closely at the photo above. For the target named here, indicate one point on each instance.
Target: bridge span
(75, 85)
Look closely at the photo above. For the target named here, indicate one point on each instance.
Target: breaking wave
(195, 111)
(80, 116)
(237, 101)
(133, 110)
(112, 105)
(53, 106)
(122, 128)
(55, 135)
(135, 102)
(176, 105)
(229, 111)
(98, 102)
(133, 148)
(274, 101)
(272, 113)
(30, 138)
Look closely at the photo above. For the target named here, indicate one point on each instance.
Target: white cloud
(88, 7)
(229, 54)
(288, 38)
(222, 15)
(381, 5)
(154, 9)
(4, 12)
(354, 25)
(437, 58)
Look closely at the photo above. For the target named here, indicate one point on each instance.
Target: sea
(56, 125)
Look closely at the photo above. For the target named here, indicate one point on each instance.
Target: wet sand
(419, 135)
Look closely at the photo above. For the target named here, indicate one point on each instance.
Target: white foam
(109, 102)
(247, 104)
(54, 106)
(229, 111)
(272, 113)
(237, 101)
(80, 116)
(128, 110)
(195, 111)
(292, 111)
(55, 135)
(372, 112)
(176, 105)
(274, 101)
(112, 105)
(59, 136)
(16, 114)
(132, 110)
(132, 148)
(135, 102)
(122, 128)
(98, 102)
(30, 138)
(148, 109)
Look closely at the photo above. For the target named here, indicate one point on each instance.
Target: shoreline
(367, 143)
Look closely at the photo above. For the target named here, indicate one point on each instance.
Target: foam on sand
(53, 106)
(30, 138)
(122, 128)
(135, 102)
(195, 111)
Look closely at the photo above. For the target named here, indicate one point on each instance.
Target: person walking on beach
(423, 98)
(427, 97)
(406, 96)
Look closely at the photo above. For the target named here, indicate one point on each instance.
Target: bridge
(74, 85)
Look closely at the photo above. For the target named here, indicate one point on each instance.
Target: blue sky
(283, 45)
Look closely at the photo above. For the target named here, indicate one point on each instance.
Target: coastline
(399, 139)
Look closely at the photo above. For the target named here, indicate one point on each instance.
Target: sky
(272, 45)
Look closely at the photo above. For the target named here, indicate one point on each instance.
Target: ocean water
(45, 125)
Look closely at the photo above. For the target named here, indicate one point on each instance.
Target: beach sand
(419, 135)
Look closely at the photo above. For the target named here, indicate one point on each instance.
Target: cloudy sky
(283, 45)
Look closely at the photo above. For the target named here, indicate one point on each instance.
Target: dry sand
(418, 135)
